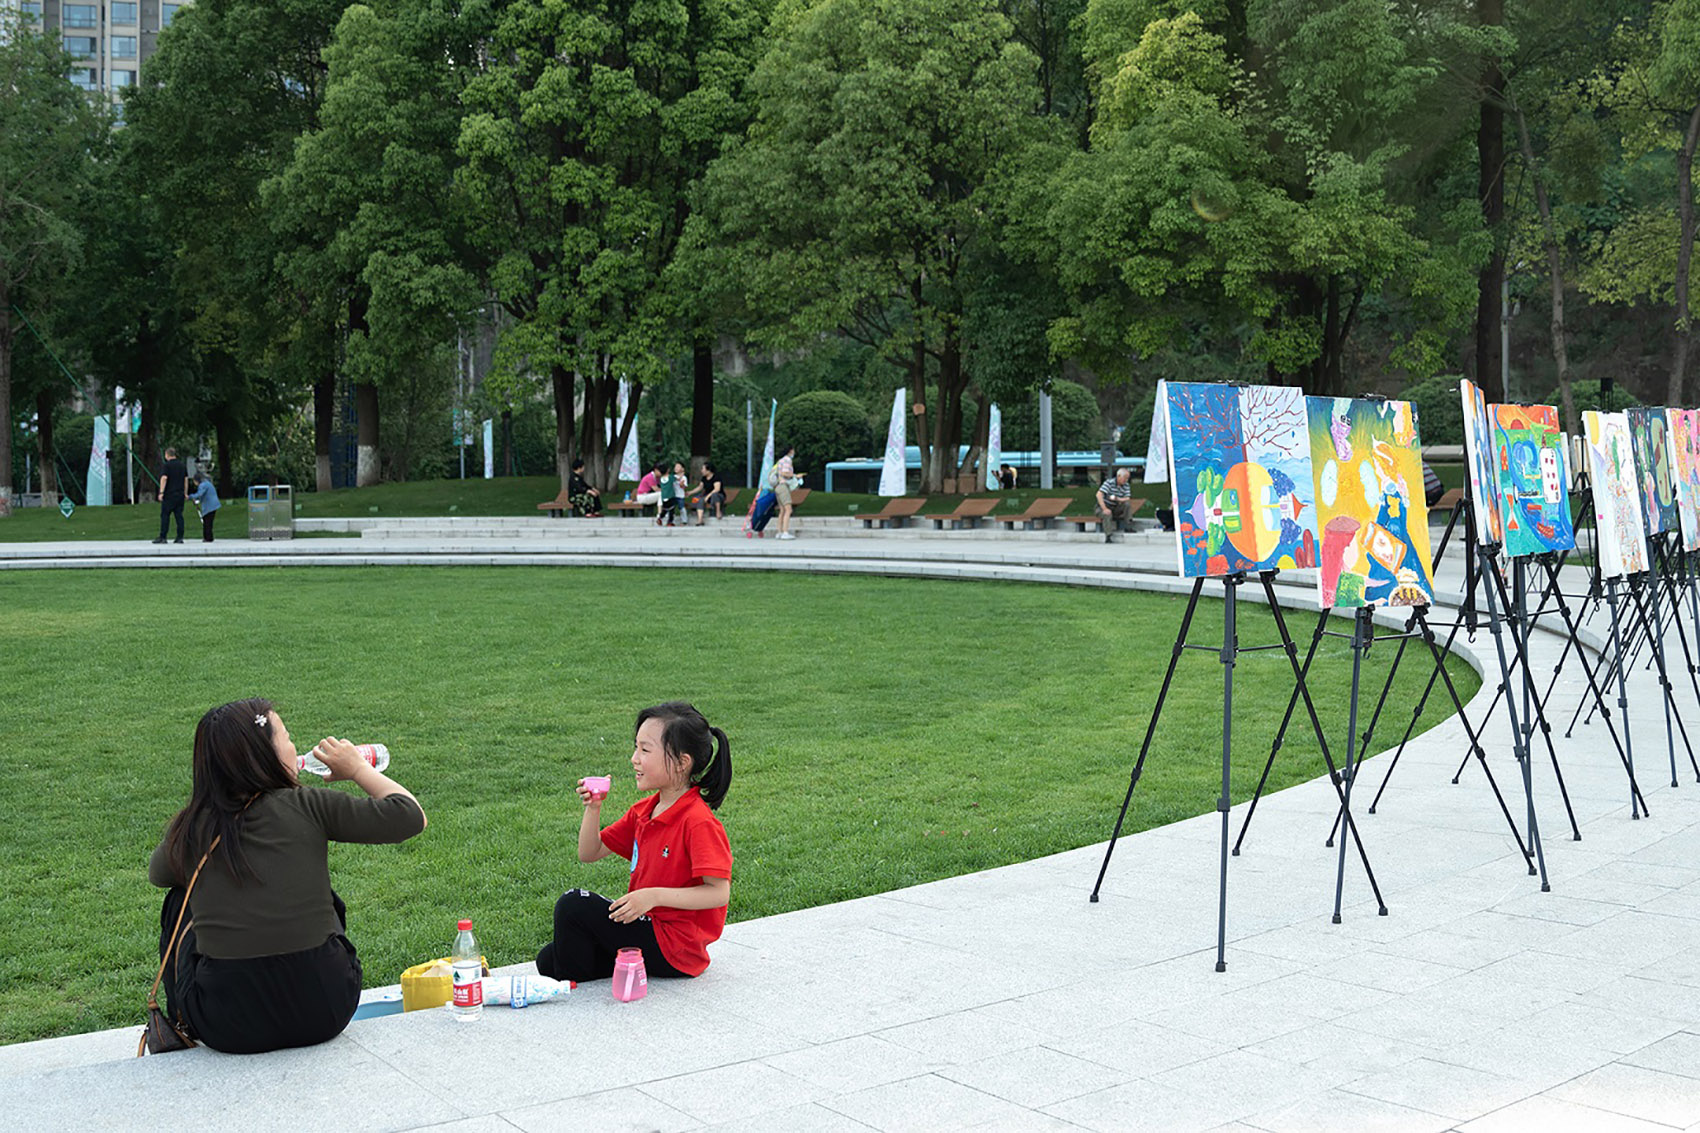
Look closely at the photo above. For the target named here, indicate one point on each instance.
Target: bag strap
(176, 930)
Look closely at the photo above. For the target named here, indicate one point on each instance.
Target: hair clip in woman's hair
(259, 719)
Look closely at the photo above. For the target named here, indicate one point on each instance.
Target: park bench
(895, 512)
(1083, 522)
(1450, 502)
(1040, 511)
(558, 506)
(968, 513)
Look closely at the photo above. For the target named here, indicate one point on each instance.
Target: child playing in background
(680, 883)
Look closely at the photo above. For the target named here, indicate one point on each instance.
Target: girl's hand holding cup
(592, 789)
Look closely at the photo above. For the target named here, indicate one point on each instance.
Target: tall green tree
(585, 130)
(860, 201)
(49, 133)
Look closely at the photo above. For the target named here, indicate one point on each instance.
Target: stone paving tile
(813, 1117)
(855, 1063)
(1674, 1054)
(1458, 1092)
(1551, 1115)
(959, 1038)
(1548, 969)
(1635, 1091)
(1341, 1048)
(927, 1103)
(1141, 1105)
(628, 1110)
(730, 1093)
(1036, 1077)
(1647, 994)
(1340, 1110)
(1139, 1049)
(1250, 1083)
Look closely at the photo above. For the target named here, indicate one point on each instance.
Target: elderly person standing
(1115, 503)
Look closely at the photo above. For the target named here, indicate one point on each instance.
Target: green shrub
(1587, 396)
(1440, 411)
(1077, 424)
(824, 425)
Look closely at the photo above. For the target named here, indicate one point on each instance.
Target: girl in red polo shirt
(681, 873)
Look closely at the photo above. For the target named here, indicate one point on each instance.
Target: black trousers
(586, 941)
(206, 525)
(167, 509)
(264, 1003)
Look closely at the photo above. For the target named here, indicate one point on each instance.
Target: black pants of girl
(586, 941)
(263, 1003)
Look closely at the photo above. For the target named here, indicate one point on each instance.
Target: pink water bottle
(630, 982)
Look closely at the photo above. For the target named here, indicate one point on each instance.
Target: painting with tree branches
(1240, 466)
(1621, 533)
(1367, 458)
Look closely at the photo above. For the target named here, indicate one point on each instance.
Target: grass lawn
(884, 732)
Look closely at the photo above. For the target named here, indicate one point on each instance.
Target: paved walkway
(1005, 1000)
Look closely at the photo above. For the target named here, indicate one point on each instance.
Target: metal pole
(1505, 334)
(1047, 445)
(749, 443)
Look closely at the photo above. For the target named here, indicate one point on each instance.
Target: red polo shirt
(675, 850)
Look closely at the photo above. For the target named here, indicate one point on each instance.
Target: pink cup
(598, 785)
(630, 981)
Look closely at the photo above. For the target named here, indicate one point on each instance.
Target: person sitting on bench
(1115, 503)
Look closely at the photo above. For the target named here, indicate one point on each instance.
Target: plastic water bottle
(523, 990)
(468, 968)
(376, 754)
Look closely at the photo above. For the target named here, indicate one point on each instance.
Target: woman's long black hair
(235, 759)
(685, 734)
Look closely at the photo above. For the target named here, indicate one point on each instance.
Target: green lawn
(884, 732)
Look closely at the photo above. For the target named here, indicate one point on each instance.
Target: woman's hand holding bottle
(342, 757)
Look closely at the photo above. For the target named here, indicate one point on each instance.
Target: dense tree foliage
(317, 216)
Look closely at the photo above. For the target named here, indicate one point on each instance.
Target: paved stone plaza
(1004, 999)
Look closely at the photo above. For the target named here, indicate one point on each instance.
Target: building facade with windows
(109, 38)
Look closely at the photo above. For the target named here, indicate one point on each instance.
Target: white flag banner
(994, 449)
(629, 469)
(100, 465)
(766, 453)
(489, 448)
(1157, 448)
(894, 473)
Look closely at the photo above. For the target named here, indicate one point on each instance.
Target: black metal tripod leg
(1150, 731)
(1280, 733)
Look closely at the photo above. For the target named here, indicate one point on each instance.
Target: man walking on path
(1115, 503)
(173, 479)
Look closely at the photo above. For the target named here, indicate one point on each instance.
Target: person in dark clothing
(586, 500)
(263, 962)
(173, 480)
(206, 499)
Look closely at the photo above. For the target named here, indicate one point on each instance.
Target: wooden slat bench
(558, 506)
(895, 512)
(968, 513)
(1082, 522)
(1040, 511)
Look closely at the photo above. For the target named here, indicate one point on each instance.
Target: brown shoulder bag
(162, 1033)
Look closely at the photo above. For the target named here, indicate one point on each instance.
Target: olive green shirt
(286, 906)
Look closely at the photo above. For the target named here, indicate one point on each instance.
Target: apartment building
(109, 38)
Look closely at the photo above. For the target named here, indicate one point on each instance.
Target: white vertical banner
(629, 469)
(894, 474)
(489, 448)
(100, 465)
(994, 449)
(1157, 447)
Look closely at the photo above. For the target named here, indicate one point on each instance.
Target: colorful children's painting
(1617, 494)
(1684, 427)
(1534, 485)
(1367, 458)
(1240, 465)
(1653, 467)
(1478, 454)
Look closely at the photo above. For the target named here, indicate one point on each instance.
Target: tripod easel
(1228, 654)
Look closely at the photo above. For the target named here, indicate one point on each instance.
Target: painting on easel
(1240, 465)
(1684, 427)
(1367, 459)
(1534, 485)
(1653, 468)
(1478, 455)
(1617, 494)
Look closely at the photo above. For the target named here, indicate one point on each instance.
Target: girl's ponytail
(717, 776)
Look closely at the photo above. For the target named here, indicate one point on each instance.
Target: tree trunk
(7, 335)
(1490, 184)
(507, 441)
(224, 434)
(147, 442)
(702, 405)
(971, 474)
(324, 418)
(44, 449)
(947, 413)
(367, 468)
(1555, 270)
(562, 380)
(1684, 256)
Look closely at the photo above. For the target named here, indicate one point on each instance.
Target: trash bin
(271, 512)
